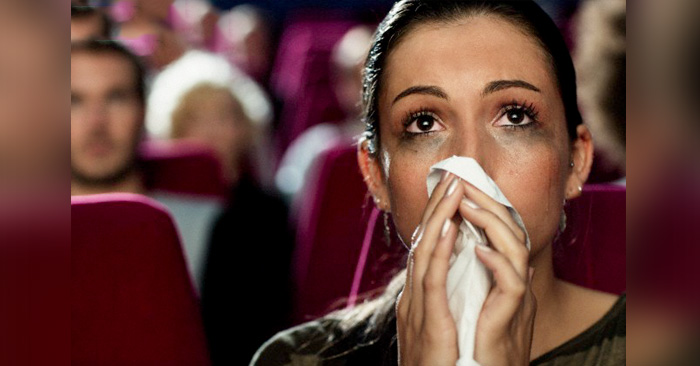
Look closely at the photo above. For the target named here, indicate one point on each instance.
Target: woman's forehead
(472, 51)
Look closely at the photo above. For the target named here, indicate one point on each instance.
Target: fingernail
(531, 273)
(469, 203)
(484, 248)
(452, 187)
(444, 175)
(445, 228)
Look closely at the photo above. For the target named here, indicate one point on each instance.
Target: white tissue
(468, 281)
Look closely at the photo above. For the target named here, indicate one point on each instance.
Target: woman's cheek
(535, 192)
(408, 193)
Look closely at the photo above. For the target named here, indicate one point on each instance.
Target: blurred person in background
(202, 98)
(244, 116)
(664, 204)
(107, 127)
(107, 112)
(244, 38)
(34, 155)
(601, 64)
(195, 21)
(33, 114)
(347, 61)
(145, 27)
(87, 22)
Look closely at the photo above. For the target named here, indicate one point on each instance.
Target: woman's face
(480, 88)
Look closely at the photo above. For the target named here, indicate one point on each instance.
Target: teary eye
(423, 122)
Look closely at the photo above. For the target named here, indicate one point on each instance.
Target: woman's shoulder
(601, 343)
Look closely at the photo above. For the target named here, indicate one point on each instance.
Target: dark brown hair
(102, 47)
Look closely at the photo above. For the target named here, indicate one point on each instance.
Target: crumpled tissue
(468, 280)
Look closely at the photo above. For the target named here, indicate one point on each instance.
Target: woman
(491, 80)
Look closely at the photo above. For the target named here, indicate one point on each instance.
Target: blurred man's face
(106, 118)
(86, 28)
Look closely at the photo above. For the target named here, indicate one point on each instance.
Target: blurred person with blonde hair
(202, 98)
(601, 62)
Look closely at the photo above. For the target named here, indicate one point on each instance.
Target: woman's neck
(564, 310)
(550, 293)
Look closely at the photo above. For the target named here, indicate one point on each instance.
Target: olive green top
(323, 343)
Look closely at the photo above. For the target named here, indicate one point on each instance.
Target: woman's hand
(427, 334)
(504, 328)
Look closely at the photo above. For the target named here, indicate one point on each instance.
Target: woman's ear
(372, 174)
(581, 162)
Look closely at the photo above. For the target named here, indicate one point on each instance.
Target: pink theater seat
(183, 168)
(132, 299)
(342, 254)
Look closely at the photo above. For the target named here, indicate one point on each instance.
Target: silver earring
(387, 229)
(571, 164)
(562, 222)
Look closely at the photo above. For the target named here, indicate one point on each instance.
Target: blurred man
(107, 124)
(87, 22)
(107, 118)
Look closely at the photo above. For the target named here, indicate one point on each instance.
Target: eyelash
(411, 116)
(528, 108)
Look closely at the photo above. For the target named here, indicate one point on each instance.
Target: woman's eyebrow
(497, 85)
(422, 89)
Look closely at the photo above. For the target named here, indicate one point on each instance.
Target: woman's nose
(470, 140)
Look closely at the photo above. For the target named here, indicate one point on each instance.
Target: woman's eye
(424, 122)
(515, 116)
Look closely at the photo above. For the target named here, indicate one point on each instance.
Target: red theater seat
(342, 251)
(132, 299)
(591, 251)
(331, 228)
(35, 242)
(183, 168)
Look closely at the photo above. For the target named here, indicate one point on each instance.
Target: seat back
(35, 242)
(181, 167)
(132, 299)
(331, 227)
(591, 251)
